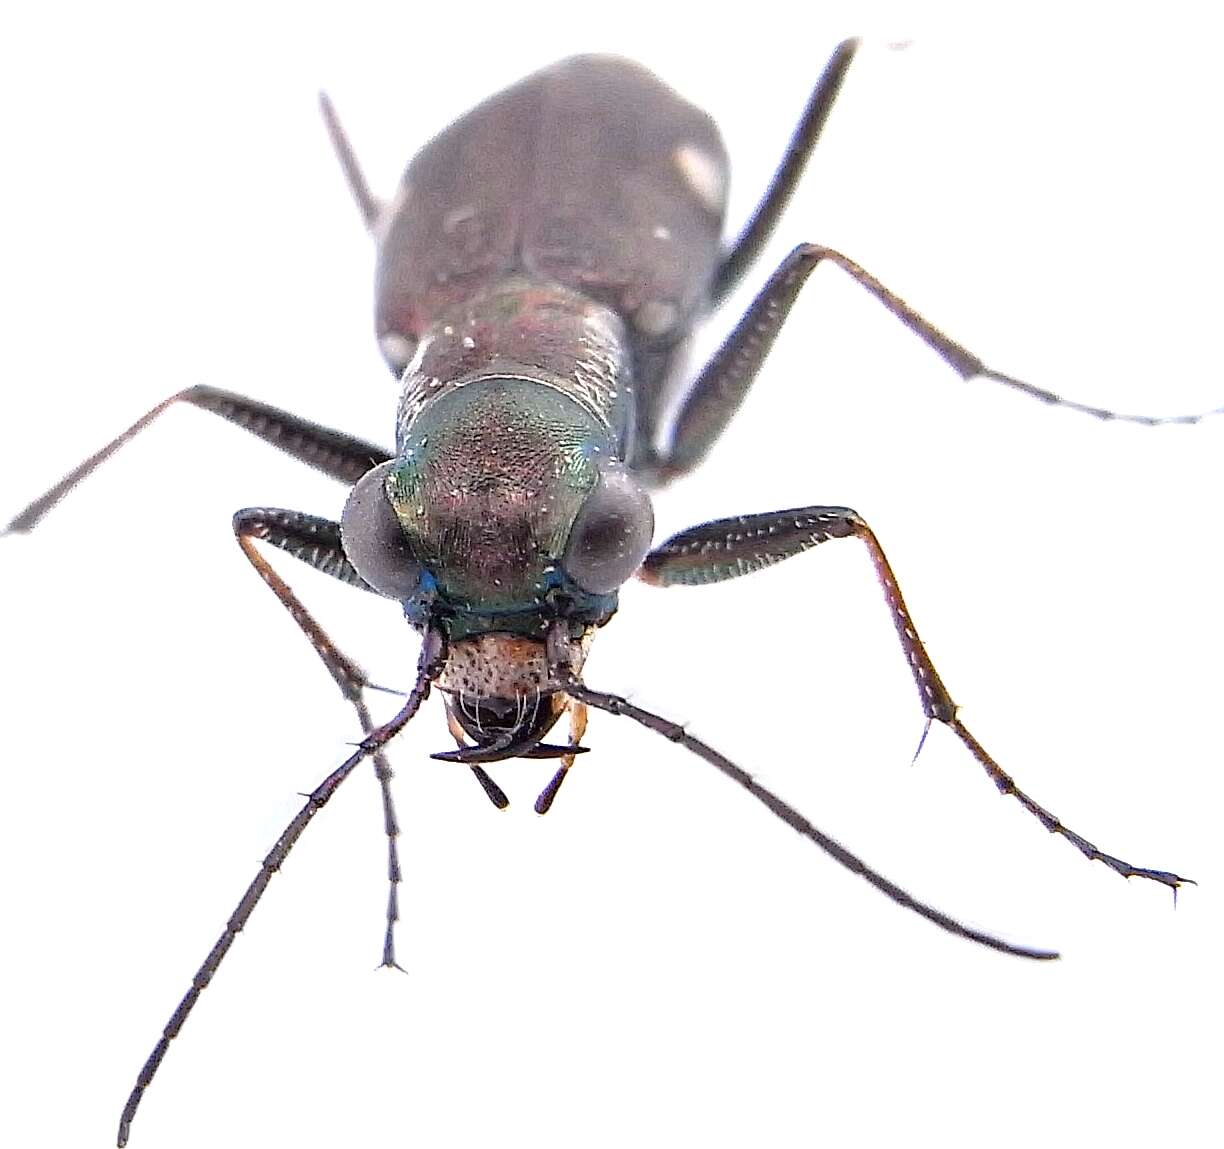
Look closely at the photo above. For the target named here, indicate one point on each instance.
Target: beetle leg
(338, 455)
(729, 547)
(317, 542)
(308, 538)
(369, 207)
(743, 252)
(578, 724)
(720, 388)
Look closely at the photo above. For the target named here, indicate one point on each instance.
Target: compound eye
(611, 534)
(373, 539)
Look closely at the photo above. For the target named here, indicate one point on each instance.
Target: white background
(658, 962)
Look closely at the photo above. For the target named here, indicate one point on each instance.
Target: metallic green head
(487, 485)
(504, 489)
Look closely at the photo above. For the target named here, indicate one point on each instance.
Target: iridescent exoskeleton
(539, 270)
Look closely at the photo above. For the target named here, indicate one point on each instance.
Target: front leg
(429, 666)
(727, 548)
(316, 542)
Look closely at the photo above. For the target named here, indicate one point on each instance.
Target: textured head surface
(488, 483)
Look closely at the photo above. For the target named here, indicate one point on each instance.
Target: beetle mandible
(535, 309)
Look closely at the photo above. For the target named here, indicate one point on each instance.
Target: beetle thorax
(549, 334)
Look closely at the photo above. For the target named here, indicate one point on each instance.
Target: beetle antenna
(614, 704)
(353, 175)
(429, 667)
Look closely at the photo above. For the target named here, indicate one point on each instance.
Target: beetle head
(505, 498)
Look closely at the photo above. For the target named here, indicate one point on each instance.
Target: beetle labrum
(539, 269)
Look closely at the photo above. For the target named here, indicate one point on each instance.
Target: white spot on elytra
(656, 317)
(661, 232)
(390, 211)
(704, 174)
(396, 348)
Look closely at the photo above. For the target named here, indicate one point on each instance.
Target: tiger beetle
(540, 269)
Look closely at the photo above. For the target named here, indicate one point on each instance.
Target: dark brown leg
(743, 252)
(730, 547)
(336, 454)
(317, 542)
(353, 175)
(717, 392)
